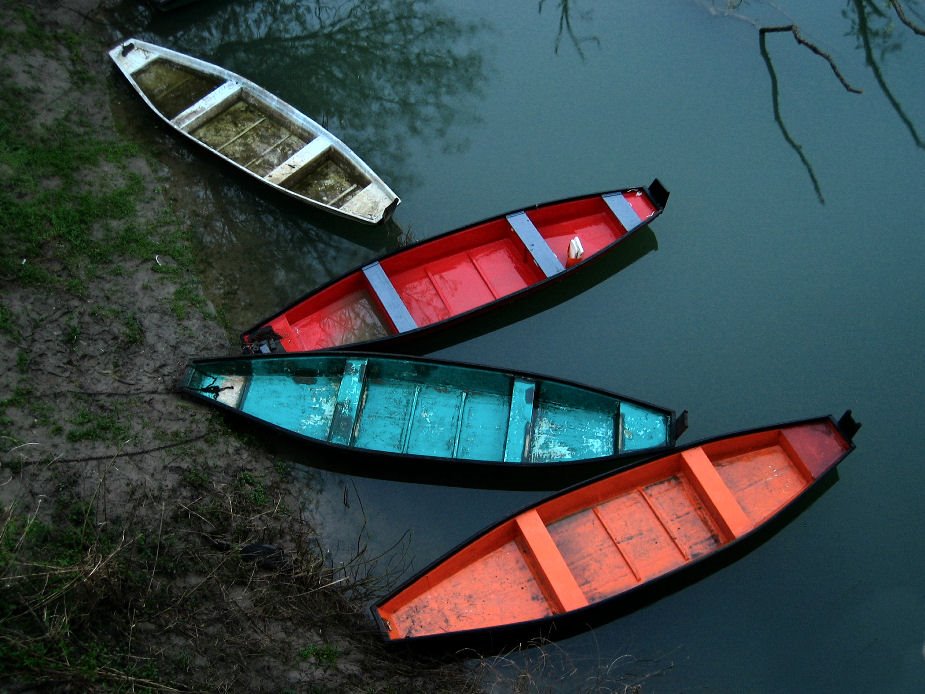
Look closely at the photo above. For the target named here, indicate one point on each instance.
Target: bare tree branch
(795, 30)
(779, 119)
(901, 13)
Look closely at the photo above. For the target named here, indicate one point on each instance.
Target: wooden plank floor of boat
(429, 418)
(173, 88)
(609, 536)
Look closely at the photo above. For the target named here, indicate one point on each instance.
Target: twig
(157, 553)
(126, 454)
(97, 393)
(29, 523)
(795, 31)
(23, 445)
(864, 35)
(901, 13)
(194, 513)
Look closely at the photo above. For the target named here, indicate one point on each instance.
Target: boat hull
(609, 545)
(255, 131)
(442, 420)
(439, 283)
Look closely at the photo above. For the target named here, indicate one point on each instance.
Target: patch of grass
(35, 37)
(283, 468)
(125, 323)
(197, 477)
(62, 233)
(71, 335)
(45, 209)
(187, 297)
(132, 331)
(42, 411)
(23, 360)
(59, 231)
(324, 654)
(62, 581)
(252, 489)
(6, 322)
(97, 426)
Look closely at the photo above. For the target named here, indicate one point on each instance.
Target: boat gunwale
(658, 201)
(277, 105)
(676, 425)
(478, 633)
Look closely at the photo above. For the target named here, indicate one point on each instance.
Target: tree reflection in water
(872, 23)
(876, 33)
(567, 27)
(374, 73)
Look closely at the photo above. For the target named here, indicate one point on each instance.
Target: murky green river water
(783, 281)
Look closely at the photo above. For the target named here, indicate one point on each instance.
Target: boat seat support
(622, 210)
(383, 288)
(717, 497)
(372, 202)
(519, 420)
(348, 402)
(535, 243)
(204, 109)
(298, 161)
(546, 559)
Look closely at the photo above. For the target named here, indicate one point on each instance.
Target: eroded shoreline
(143, 544)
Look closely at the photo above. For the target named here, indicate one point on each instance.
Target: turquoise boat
(429, 417)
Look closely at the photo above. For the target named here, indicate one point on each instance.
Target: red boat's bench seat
(535, 243)
(623, 210)
(383, 288)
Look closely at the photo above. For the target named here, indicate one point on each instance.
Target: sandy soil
(171, 506)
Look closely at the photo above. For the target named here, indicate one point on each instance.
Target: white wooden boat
(255, 130)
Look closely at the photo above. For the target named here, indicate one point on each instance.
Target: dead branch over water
(800, 39)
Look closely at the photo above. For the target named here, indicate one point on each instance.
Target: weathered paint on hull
(432, 409)
(255, 131)
(607, 538)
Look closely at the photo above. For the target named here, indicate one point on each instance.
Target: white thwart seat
(299, 160)
(217, 100)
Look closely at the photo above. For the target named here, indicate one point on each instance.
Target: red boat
(606, 540)
(456, 275)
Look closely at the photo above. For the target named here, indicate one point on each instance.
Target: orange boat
(603, 541)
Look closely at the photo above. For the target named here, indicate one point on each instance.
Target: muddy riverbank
(143, 543)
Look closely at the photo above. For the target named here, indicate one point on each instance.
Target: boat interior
(435, 410)
(459, 272)
(615, 534)
(243, 127)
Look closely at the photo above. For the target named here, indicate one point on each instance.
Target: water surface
(786, 282)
